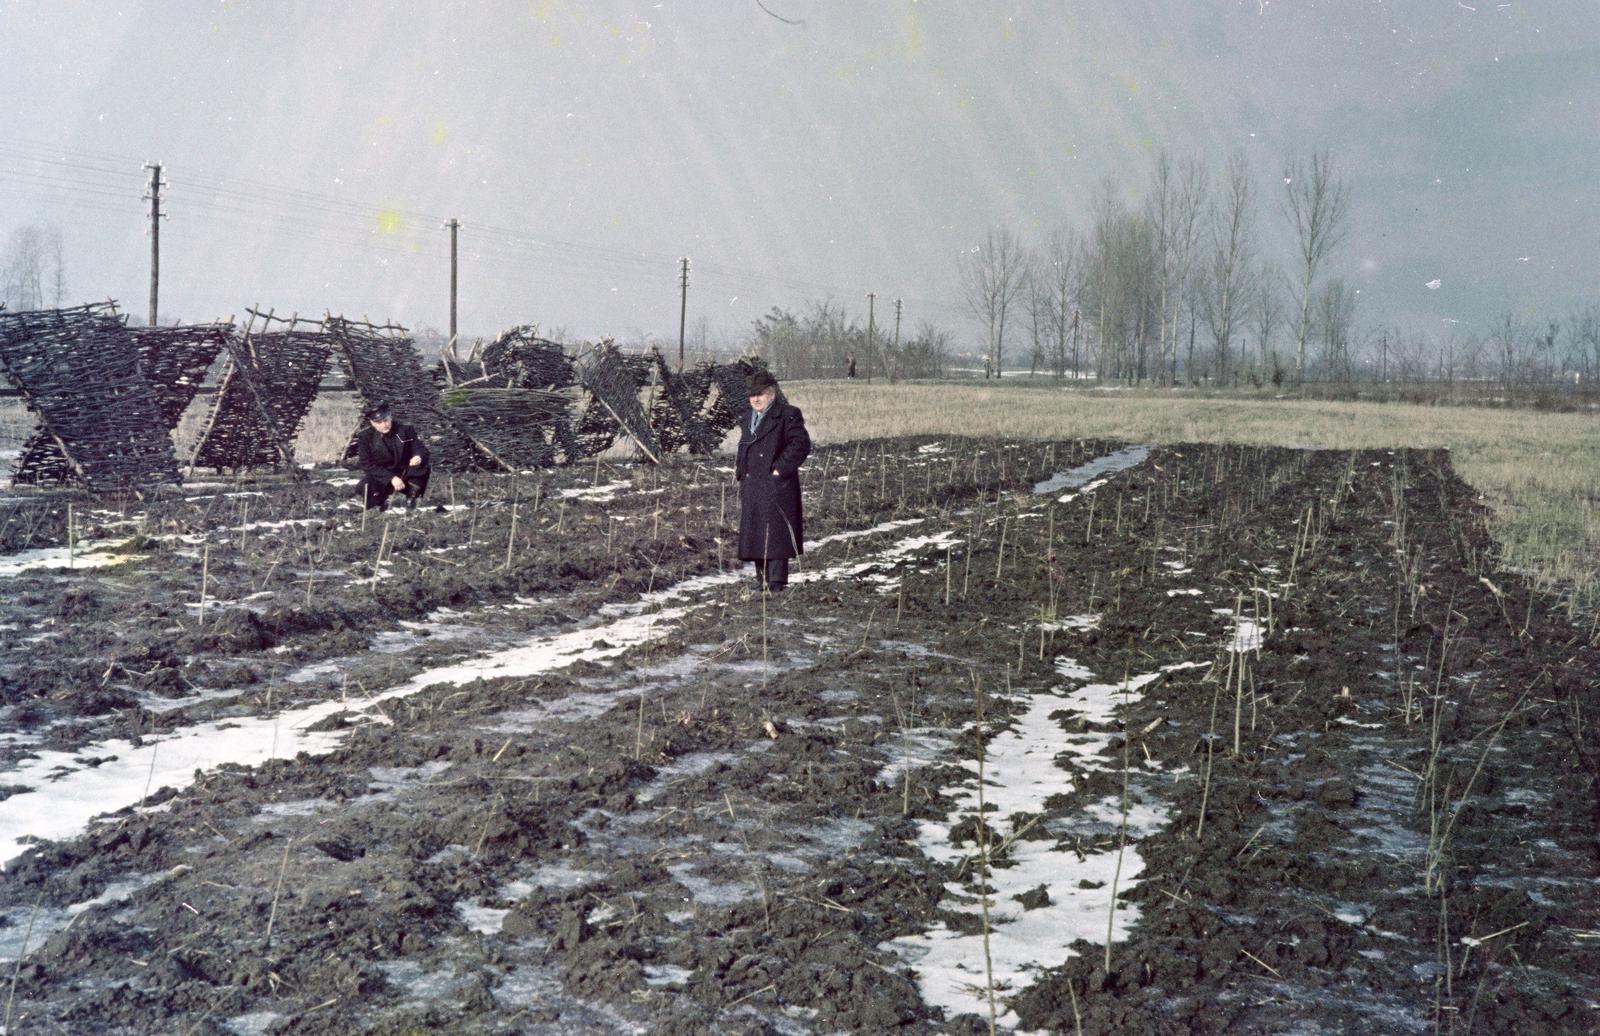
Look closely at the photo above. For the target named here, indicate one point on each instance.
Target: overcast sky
(313, 149)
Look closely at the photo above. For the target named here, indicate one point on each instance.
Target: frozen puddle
(1043, 898)
(1080, 476)
(89, 554)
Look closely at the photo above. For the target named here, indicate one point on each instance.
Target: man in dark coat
(393, 459)
(772, 445)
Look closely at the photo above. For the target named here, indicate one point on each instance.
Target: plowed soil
(541, 761)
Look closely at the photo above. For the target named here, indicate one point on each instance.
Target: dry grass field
(1538, 471)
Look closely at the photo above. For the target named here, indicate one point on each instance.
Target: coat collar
(768, 422)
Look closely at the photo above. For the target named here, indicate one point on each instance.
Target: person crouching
(772, 445)
(393, 459)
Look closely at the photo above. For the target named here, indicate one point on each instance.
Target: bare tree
(991, 276)
(1508, 343)
(1232, 243)
(1583, 342)
(1059, 275)
(1187, 227)
(1267, 311)
(1317, 202)
(31, 273)
(1334, 318)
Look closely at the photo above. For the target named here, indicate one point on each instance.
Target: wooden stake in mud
(983, 849)
(205, 574)
(511, 539)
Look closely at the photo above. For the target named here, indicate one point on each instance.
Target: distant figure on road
(849, 366)
(772, 445)
(393, 460)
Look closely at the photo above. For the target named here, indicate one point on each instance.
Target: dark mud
(1348, 786)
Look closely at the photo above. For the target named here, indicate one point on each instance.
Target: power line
(263, 205)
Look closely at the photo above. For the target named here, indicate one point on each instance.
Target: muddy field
(540, 761)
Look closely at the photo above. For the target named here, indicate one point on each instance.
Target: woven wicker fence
(268, 383)
(100, 422)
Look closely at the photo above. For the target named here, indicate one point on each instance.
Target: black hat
(378, 411)
(759, 381)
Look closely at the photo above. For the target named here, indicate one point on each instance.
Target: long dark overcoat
(771, 523)
(384, 456)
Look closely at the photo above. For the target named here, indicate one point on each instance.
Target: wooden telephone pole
(156, 216)
(454, 226)
(872, 299)
(683, 304)
(895, 352)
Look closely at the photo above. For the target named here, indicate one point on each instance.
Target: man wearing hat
(772, 445)
(393, 459)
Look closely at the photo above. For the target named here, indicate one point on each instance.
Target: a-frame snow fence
(519, 358)
(516, 428)
(613, 385)
(698, 407)
(694, 409)
(384, 365)
(100, 423)
(268, 383)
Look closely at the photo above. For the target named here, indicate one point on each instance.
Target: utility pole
(454, 225)
(156, 216)
(683, 304)
(872, 298)
(895, 352)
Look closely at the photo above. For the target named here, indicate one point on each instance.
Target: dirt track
(591, 784)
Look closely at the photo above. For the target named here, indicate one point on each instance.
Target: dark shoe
(411, 504)
(773, 588)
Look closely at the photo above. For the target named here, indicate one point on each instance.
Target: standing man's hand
(398, 482)
(775, 473)
(415, 461)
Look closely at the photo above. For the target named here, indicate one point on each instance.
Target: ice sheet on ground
(1020, 775)
(1247, 636)
(88, 554)
(1079, 476)
(600, 493)
(950, 966)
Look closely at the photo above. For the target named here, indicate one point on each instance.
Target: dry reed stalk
(511, 538)
(272, 915)
(983, 851)
(22, 953)
(1236, 679)
(205, 574)
(1122, 826)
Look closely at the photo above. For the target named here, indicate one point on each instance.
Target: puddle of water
(1080, 476)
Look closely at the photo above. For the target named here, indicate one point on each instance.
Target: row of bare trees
(32, 270)
(1144, 286)
(821, 341)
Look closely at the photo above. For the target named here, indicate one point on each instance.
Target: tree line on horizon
(1177, 288)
